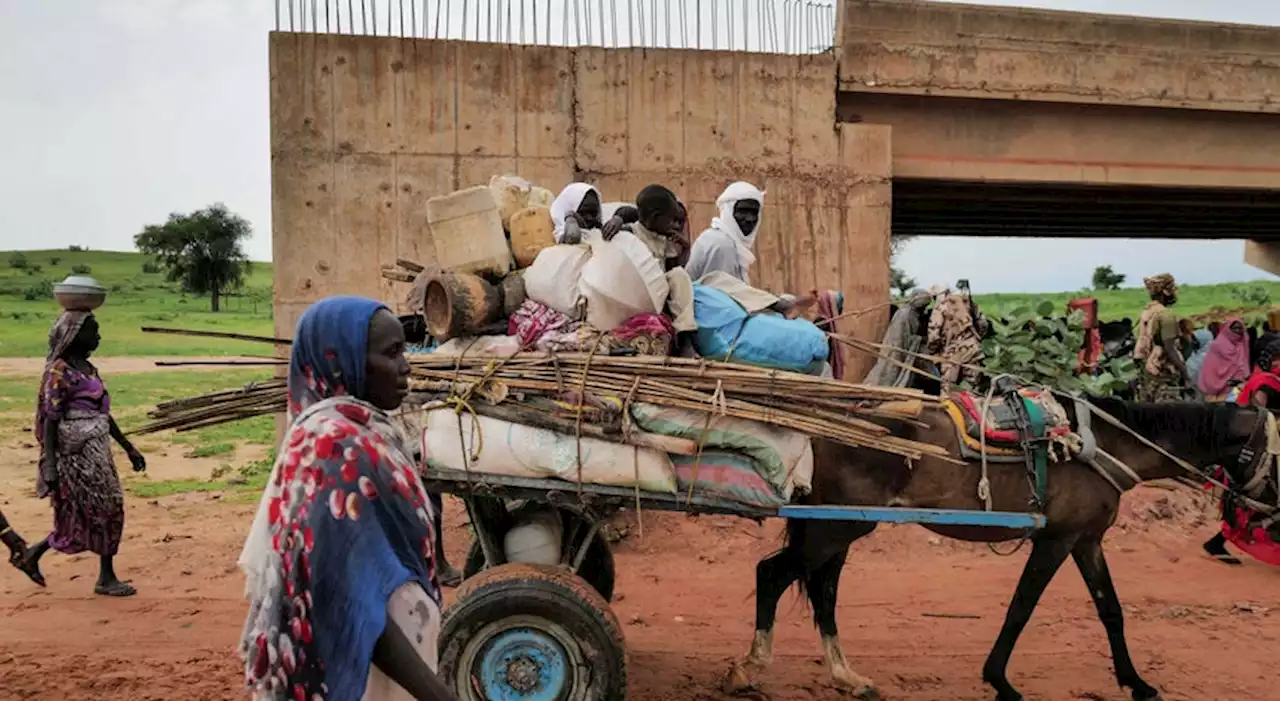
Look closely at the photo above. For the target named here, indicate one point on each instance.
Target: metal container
(79, 293)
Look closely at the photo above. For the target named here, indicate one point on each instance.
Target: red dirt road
(1197, 629)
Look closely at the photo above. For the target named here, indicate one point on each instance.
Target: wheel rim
(523, 658)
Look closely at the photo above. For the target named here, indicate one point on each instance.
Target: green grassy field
(135, 299)
(1129, 302)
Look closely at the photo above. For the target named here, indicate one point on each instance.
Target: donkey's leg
(1093, 567)
(823, 584)
(774, 575)
(1047, 555)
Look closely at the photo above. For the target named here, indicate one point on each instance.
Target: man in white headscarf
(575, 209)
(727, 246)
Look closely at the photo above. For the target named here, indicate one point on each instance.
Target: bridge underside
(931, 207)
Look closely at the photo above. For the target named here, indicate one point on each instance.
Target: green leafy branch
(1044, 349)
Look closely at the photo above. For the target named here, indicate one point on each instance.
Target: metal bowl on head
(79, 293)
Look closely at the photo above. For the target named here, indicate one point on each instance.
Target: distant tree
(1251, 295)
(81, 269)
(1105, 278)
(201, 250)
(55, 260)
(18, 260)
(898, 280)
(74, 247)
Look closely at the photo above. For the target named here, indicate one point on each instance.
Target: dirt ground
(917, 614)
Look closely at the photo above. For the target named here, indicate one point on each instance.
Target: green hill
(1113, 305)
(136, 298)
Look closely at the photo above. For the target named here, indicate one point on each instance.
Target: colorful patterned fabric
(538, 326)
(724, 475)
(88, 506)
(343, 524)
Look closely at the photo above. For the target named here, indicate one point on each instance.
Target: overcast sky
(117, 112)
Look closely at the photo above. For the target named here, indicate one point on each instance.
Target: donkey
(1079, 506)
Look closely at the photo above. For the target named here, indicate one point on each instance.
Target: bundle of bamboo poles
(819, 407)
(816, 406)
(190, 413)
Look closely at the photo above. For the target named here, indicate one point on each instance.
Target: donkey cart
(532, 619)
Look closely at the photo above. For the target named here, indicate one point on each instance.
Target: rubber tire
(597, 567)
(552, 593)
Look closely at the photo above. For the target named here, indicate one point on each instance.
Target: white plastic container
(511, 193)
(536, 539)
(467, 231)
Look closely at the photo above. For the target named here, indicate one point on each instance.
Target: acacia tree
(201, 251)
(1106, 278)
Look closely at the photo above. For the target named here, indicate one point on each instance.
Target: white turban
(732, 195)
(566, 203)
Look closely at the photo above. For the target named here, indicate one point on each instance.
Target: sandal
(20, 562)
(117, 589)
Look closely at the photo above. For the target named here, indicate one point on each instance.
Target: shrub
(81, 269)
(55, 260)
(150, 268)
(18, 260)
(38, 291)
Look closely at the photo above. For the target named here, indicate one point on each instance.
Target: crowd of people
(344, 560)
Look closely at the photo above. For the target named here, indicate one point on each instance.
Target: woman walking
(77, 473)
(340, 566)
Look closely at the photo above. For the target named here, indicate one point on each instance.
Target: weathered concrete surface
(1008, 140)
(365, 129)
(928, 48)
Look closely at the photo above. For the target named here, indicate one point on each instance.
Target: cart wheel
(597, 567)
(532, 632)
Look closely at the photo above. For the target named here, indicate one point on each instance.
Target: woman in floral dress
(340, 568)
(77, 472)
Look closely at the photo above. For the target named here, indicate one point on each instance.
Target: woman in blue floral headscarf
(339, 564)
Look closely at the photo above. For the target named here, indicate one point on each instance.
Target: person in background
(1259, 341)
(955, 333)
(1164, 371)
(1261, 390)
(17, 550)
(662, 225)
(77, 471)
(1200, 341)
(1265, 375)
(728, 246)
(1226, 364)
(340, 563)
(575, 210)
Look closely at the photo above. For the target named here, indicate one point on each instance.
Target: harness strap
(1110, 468)
(1035, 444)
